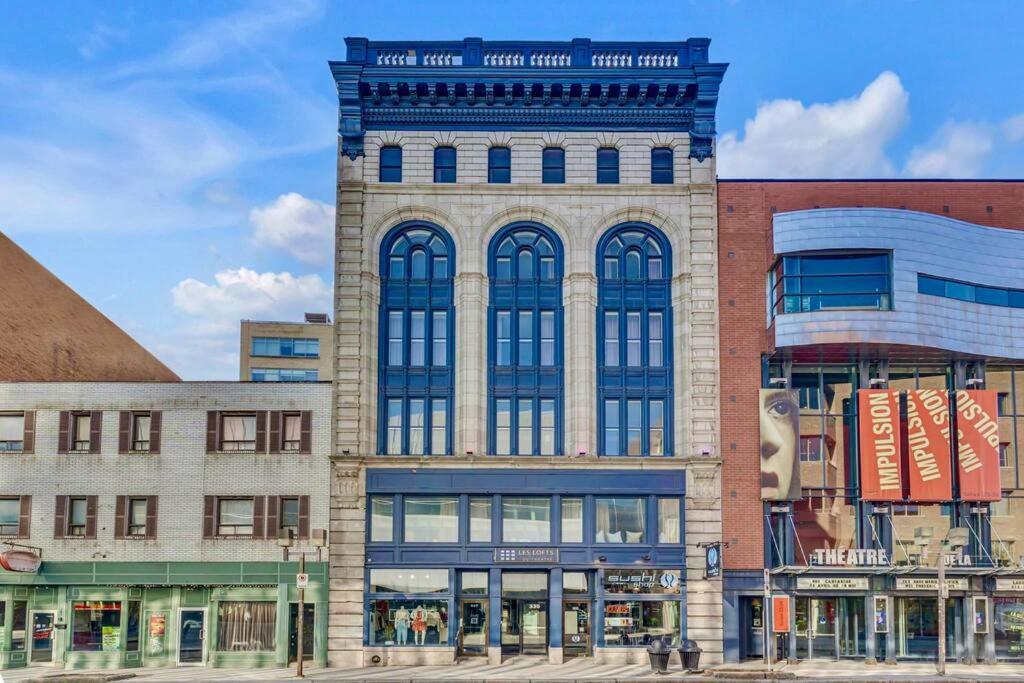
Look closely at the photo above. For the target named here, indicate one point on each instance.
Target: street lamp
(957, 538)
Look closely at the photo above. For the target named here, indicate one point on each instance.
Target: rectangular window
(661, 166)
(619, 520)
(611, 339)
(525, 520)
(96, 626)
(503, 427)
(391, 164)
(439, 335)
(12, 432)
(668, 520)
(822, 282)
(432, 520)
(572, 520)
(284, 375)
(1003, 405)
(395, 338)
(810, 448)
(416, 417)
(611, 428)
(575, 583)
(524, 445)
(77, 513)
(480, 520)
(438, 426)
(288, 521)
(633, 339)
(504, 337)
(382, 510)
(655, 339)
(80, 431)
(291, 431)
(234, 516)
(140, 431)
(409, 623)
(394, 446)
(412, 580)
(286, 347)
(525, 338)
(137, 508)
(553, 165)
(444, 164)
(238, 432)
(1004, 455)
(473, 583)
(19, 623)
(499, 165)
(656, 430)
(547, 427)
(607, 166)
(246, 626)
(627, 622)
(634, 427)
(547, 338)
(10, 514)
(417, 338)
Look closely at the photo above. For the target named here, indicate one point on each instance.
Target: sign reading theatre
(881, 475)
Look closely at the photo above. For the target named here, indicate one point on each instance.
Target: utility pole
(942, 609)
(298, 619)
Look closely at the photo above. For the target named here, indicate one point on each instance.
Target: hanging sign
(712, 560)
(977, 444)
(881, 472)
(931, 476)
(780, 613)
(21, 561)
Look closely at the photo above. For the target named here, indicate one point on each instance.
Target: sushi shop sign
(21, 561)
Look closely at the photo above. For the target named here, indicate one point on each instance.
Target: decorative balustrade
(393, 57)
(503, 58)
(612, 59)
(550, 58)
(657, 59)
(439, 58)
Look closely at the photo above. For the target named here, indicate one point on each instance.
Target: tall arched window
(634, 334)
(524, 322)
(417, 324)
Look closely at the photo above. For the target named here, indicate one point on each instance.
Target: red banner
(977, 442)
(931, 469)
(881, 475)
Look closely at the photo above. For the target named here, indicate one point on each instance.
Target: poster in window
(977, 445)
(779, 412)
(881, 470)
(928, 427)
(881, 614)
(980, 614)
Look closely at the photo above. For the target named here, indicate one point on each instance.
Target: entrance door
(42, 638)
(918, 624)
(473, 620)
(191, 636)
(524, 627)
(308, 613)
(815, 628)
(752, 619)
(851, 627)
(576, 628)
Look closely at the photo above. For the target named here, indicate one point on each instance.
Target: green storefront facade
(107, 615)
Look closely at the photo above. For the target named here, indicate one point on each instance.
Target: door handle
(202, 634)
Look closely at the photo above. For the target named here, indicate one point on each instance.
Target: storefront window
(432, 520)
(526, 520)
(408, 580)
(408, 623)
(619, 520)
(18, 623)
(473, 583)
(96, 626)
(1008, 621)
(381, 522)
(636, 623)
(575, 583)
(246, 626)
(480, 520)
(572, 520)
(668, 520)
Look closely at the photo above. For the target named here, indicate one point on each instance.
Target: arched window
(634, 350)
(417, 324)
(524, 322)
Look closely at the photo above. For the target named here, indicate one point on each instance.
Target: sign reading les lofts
(881, 467)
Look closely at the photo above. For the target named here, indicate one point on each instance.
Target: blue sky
(175, 162)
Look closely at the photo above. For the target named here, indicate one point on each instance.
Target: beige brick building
(273, 351)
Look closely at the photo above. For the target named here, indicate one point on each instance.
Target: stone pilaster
(347, 559)
(579, 296)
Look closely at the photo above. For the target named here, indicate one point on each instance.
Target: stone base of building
(629, 655)
(408, 656)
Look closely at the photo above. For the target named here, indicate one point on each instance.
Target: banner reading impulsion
(881, 475)
(978, 445)
(931, 473)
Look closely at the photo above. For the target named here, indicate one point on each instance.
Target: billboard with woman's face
(780, 438)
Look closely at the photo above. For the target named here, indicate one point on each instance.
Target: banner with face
(780, 439)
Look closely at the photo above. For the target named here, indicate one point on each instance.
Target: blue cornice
(578, 85)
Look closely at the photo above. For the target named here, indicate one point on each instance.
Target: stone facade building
(526, 378)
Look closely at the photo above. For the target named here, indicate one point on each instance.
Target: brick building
(278, 351)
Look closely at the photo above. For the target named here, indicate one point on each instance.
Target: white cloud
(302, 227)
(99, 39)
(957, 150)
(1013, 128)
(845, 138)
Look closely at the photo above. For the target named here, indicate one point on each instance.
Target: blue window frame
(499, 165)
(661, 166)
(283, 375)
(607, 166)
(553, 165)
(417, 326)
(444, 164)
(285, 347)
(391, 164)
(803, 283)
(634, 326)
(525, 369)
(967, 291)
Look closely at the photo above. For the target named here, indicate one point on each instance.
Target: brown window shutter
(120, 516)
(261, 432)
(273, 516)
(95, 430)
(209, 510)
(306, 438)
(64, 433)
(60, 517)
(151, 517)
(212, 427)
(303, 517)
(25, 518)
(258, 518)
(274, 446)
(124, 433)
(90, 516)
(28, 438)
(155, 425)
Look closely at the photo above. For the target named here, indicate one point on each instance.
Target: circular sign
(712, 556)
(668, 580)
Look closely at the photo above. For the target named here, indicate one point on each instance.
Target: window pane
(654, 268)
(503, 427)
(611, 339)
(611, 267)
(524, 269)
(619, 520)
(10, 511)
(444, 164)
(238, 432)
(382, 511)
(504, 337)
(629, 621)
(416, 426)
(547, 338)
(394, 426)
(607, 166)
(633, 427)
(661, 165)
(575, 583)
(553, 165)
(395, 338)
(432, 520)
(633, 339)
(499, 165)
(77, 511)
(547, 268)
(417, 336)
(419, 265)
(655, 332)
(289, 515)
(668, 520)
(137, 516)
(656, 436)
(246, 626)
(234, 517)
(291, 432)
(480, 520)
(572, 520)
(392, 622)
(547, 427)
(12, 430)
(440, 336)
(611, 427)
(93, 623)
(439, 426)
(412, 580)
(526, 520)
(504, 269)
(633, 264)
(525, 338)
(525, 441)
(440, 267)
(391, 164)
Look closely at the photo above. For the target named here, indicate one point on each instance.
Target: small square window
(235, 517)
(238, 433)
(12, 432)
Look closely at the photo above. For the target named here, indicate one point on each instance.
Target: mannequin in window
(434, 622)
(419, 624)
(402, 620)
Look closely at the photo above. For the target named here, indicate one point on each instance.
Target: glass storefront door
(816, 628)
(191, 634)
(576, 628)
(852, 628)
(524, 627)
(473, 619)
(918, 627)
(42, 637)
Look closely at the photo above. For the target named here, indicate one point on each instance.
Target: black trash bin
(689, 653)
(659, 653)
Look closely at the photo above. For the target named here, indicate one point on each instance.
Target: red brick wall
(744, 255)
